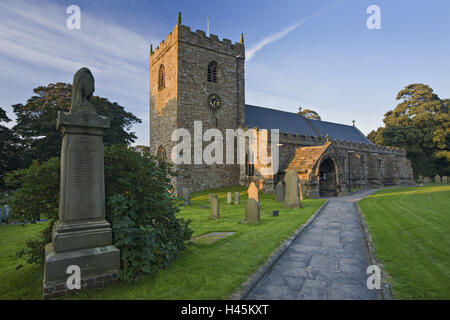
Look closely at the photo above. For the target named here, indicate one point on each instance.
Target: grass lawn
(203, 271)
(410, 229)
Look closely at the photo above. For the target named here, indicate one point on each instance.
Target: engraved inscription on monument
(84, 176)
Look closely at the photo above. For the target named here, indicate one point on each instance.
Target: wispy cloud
(281, 34)
(34, 38)
(272, 38)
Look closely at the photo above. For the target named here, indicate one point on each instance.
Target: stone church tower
(194, 77)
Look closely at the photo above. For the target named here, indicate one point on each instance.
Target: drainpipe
(237, 91)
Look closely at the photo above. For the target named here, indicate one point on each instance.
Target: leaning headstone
(291, 197)
(252, 209)
(437, 179)
(253, 192)
(445, 179)
(186, 197)
(81, 237)
(426, 180)
(214, 204)
(229, 198)
(236, 198)
(279, 192)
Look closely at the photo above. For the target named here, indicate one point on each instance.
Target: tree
(308, 113)
(36, 120)
(10, 155)
(420, 123)
(376, 136)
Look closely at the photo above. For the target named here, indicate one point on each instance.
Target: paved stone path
(327, 261)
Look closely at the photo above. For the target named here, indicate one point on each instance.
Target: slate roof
(288, 122)
(305, 158)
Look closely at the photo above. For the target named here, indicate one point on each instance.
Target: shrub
(140, 206)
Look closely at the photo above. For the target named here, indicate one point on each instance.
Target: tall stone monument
(81, 238)
(292, 196)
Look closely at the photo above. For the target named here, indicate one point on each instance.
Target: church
(198, 77)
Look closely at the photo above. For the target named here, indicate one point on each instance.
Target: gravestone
(279, 192)
(214, 204)
(291, 196)
(426, 180)
(186, 197)
(81, 237)
(420, 179)
(445, 179)
(253, 192)
(236, 198)
(6, 212)
(252, 211)
(437, 179)
(229, 198)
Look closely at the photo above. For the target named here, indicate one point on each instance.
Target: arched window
(161, 78)
(212, 72)
(161, 153)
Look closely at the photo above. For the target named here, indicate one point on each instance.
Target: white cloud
(34, 38)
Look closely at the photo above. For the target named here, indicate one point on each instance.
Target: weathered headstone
(6, 211)
(229, 198)
(214, 204)
(253, 192)
(279, 192)
(445, 179)
(252, 209)
(236, 198)
(420, 180)
(291, 197)
(426, 180)
(186, 197)
(437, 179)
(81, 237)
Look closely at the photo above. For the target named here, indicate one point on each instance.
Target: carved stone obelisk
(81, 237)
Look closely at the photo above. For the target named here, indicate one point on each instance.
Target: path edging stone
(256, 277)
(385, 293)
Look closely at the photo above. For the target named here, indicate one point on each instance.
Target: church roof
(305, 158)
(288, 122)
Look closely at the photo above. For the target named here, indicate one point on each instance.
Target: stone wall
(357, 165)
(186, 56)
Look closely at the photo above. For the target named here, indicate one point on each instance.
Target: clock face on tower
(214, 102)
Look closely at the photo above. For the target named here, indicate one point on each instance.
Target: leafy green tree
(308, 113)
(36, 120)
(420, 124)
(10, 148)
(376, 136)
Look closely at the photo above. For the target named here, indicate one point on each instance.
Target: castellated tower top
(198, 38)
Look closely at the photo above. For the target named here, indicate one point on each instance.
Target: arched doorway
(327, 178)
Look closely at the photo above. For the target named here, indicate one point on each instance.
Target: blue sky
(323, 56)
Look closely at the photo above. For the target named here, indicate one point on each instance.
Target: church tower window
(212, 72)
(161, 78)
